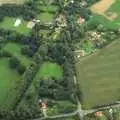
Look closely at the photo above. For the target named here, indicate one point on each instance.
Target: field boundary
(97, 52)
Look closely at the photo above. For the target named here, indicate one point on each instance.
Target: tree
(14, 62)
(25, 50)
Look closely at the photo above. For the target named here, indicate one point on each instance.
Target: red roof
(99, 114)
(43, 105)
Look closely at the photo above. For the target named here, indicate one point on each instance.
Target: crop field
(8, 24)
(15, 50)
(8, 81)
(12, 1)
(50, 70)
(99, 76)
(107, 12)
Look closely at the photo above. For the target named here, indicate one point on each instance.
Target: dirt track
(102, 6)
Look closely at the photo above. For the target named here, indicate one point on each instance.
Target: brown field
(12, 1)
(102, 6)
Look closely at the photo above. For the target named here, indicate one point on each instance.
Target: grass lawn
(50, 70)
(8, 23)
(8, 83)
(46, 17)
(101, 19)
(15, 50)
(99, 75)
(49, 8)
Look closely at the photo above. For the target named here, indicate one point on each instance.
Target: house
(99, 114)
(80, 20)
(30, 24)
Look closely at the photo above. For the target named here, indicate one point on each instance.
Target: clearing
(8, 84)
(49, 70)
(15, 50)
(98, 76)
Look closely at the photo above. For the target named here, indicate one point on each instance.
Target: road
(79, 112)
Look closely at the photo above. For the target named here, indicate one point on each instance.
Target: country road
(79, 112)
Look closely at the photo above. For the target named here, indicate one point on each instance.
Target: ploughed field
(99, 76)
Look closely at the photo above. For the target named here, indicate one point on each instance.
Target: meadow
(98, 76)
(9, 80)
(48, 70)
(46, 17)
(8, 24)
(15, 50)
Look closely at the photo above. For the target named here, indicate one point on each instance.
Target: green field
(115, 23)
(49, 8)
(50, 70)
(102, 20)
(99, 76)
(115, 8)
(8, 82)
(8, 24)
(15, 50)
(46, 17)
(47, 12)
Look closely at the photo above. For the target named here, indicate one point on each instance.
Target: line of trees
(28, 10)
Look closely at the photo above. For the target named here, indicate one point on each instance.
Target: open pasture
(49, 70)
(8, 24)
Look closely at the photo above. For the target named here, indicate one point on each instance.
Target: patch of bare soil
(102, 6)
